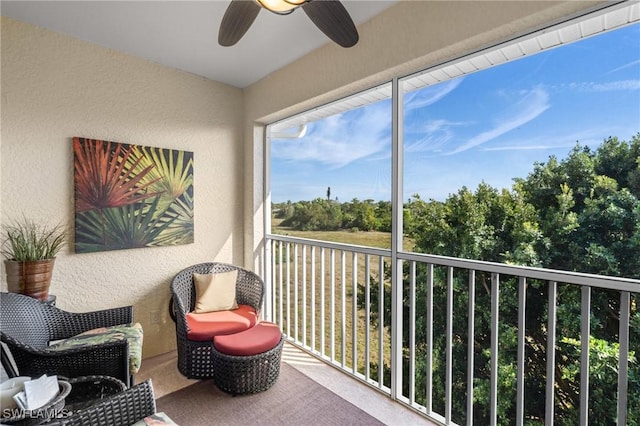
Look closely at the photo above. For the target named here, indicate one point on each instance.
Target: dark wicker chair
(123, 408)
(194, 357)
(28, 325)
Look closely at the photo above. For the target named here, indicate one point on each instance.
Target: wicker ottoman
(249, 361)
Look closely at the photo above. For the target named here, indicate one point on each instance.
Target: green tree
(315, 215)
(359, 215)
(382, 214)
(580, 213)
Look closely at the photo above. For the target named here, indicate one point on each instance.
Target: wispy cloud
(525, 147)
(607, 86)
(625, 66)
(434, 135)
(548, 142)
(340, 139)
(430, 95)
(534, 103)
(592, 86)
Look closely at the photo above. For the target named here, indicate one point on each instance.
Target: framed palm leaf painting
(131, 196)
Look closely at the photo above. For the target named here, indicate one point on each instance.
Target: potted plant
(30, 249)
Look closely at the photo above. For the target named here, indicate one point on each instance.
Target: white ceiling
(184, 34)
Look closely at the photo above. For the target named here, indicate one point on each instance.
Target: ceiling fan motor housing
(330, 16)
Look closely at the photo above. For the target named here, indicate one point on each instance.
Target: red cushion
(259, 339)
(205, 326)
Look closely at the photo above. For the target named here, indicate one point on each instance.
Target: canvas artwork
(131, 196)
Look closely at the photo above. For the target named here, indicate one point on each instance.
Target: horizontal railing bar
(331, 245)
(570, 277)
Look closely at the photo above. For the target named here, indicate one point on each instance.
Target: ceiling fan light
(281, 7)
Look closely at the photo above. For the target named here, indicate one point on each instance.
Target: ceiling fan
(330, 16)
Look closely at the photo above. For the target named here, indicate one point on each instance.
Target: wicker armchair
(194, 357)
(28, 325)
(123, 408)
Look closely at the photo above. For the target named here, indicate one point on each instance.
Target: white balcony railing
(333, 299)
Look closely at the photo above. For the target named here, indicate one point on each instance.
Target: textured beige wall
(54, 88)
(408, 37)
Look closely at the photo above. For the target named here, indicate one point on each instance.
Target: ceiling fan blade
(333, 20)
(236, 21)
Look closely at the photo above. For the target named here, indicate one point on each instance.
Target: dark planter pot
(31, 278)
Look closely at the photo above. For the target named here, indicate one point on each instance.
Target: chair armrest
(123, 408)
(180, 311)
(249, 289)
(67, 324)
(108, 359)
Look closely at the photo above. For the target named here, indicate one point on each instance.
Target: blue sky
(491, 125)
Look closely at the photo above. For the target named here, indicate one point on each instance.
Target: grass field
(369, 239)
(360, 238)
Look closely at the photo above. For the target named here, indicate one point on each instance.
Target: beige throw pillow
(215, 292)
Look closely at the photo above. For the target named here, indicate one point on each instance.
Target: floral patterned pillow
(131, 332)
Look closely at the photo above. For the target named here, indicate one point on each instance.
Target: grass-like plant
(26, 240)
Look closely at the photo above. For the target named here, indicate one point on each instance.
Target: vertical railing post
(449, 348)
(367, 317)
(281, 295)
(296, 281)
(313, 298)
(354, 312)
(623, 368)
(269, 290)
(322, 302)
(470, 345)
(332, 334)
(585, 334)
(288, 289)
(522, 314)
(412, 333)
(304, 295)
(429, 325)
(495, 309)
(343, 308)
(381, 322)
(551, 352)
